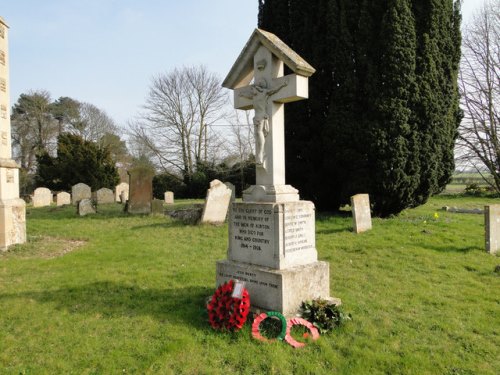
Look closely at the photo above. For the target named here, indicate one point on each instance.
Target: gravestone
(119, 189)
(216, 203)
(492, 228)
(42, 197)
(80, 191)
(63, 198)
(140, 190)
(86, 207)
(169, 197)
(123, 197)
(157, 207)
(233, 190)
(272, 245)
(105, 196)
(361, 214)
(12, 208)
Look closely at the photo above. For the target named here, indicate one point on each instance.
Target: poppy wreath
(226, 312)
(256, 323)
(299, 321)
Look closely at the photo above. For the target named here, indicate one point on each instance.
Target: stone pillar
(492, 228)
(12, 208)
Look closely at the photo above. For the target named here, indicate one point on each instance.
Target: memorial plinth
(272, 245)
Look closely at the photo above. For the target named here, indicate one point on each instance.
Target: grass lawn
(118, 294)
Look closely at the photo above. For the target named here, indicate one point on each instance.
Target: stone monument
(492, 228)
(271, 233)
(122, 187)
(42, 197)
(361, 214)
(141, 190)
(63, 198)
(216, 203)
(105, 196)
(80, 191)
(169, 197)
(12, 208)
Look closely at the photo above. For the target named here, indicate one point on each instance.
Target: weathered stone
(492, 228)
(463, 210)
(63, 198)
(119, 189)
(233, 190)
(86, 207)
(42, 197)
(141, 190)
(105, 196)
(12, 208)
(361, 214)
(169, 197)
(80, 191)
(275, 235)
(157, 207)
(123, 197)
(187, 215)
(216, 203)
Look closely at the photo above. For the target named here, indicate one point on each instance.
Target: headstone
(492, 228)
(80, 191)
(169, 197)
(42, 197)
(216, 203)
(86, 207)
(63, 198)
(119, 189)
(12, 208)
(123, 197)
(105, 196)
(141, 190)
(233, 190)
(361, 214)
(157, 207)
(272, 246)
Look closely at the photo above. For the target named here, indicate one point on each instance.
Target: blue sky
(105, 51)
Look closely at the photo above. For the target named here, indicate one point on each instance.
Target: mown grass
(113, 293)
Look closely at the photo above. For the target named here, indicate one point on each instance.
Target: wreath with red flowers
(299, 321)
(226, 311)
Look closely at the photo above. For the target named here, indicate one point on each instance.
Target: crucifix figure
(263, 60)
(260, 93)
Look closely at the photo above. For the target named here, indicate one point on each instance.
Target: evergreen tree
(383, 107)
(77, 161)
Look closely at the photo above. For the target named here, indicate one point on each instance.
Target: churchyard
(121, 293)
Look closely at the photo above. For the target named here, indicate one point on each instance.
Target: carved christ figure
(260, 94)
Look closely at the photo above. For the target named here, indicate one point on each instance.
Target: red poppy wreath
(227, 312)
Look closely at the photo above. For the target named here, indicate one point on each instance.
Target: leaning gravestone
(42, 197)
(86, 207)
(216, 203)
(63, 198)
(105, 196)
(492, 228)
(361, 215)
(169, 197)
(119, 189)
(157, 207)
(80, 191)
(141, 190)
(272, 232)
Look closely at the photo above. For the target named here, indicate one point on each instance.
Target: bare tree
(243, 144)
(94, 123)
(176, 126)
(478, 144)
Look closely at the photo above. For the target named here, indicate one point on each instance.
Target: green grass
(118, 294)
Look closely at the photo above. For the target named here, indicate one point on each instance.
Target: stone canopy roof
(242, 71)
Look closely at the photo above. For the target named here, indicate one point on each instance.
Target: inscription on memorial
(250, 278)
(10, 176)
(4, 138)
(2, 57)
(3, 85)
(252, 228)
(3, 111)
(299, 224)
(2, 31)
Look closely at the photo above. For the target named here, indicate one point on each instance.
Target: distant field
(461, 180)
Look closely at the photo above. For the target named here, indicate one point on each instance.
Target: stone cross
(263, 59)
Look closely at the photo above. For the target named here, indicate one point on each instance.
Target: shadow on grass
(110, 299)
(167, 224)
(450, 249)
